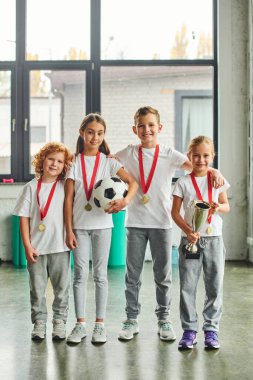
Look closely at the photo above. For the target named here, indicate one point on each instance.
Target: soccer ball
(108, 189)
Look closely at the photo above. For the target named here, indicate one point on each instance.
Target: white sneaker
(165, 330)
(130, 327)
(77, 334)
(39, 330)
(59, 331)
(99, 333)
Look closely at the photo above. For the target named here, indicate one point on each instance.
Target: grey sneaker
(99, 333)
(130, 327)
(77, 334)
(165, 330)
(39, 330)
(59, 331)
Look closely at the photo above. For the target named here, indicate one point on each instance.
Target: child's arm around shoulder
(121, 155)
(187, 165)
(217, 178)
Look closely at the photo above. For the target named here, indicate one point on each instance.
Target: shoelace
(98, 329)
(39, 327)
(165, 326)
(58, 325)
(76, 329)
(211, 335)
(189, 335)
(127, 325)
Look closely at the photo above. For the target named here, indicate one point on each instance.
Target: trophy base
(190, 255)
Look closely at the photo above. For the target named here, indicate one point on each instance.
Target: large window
(160, 29)
(193, 115)
(7, 30)
(161, 87)
(60, 60)
(58, 30)
(5, 122)
(57, 105)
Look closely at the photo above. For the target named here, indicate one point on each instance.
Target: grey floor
(145, 357)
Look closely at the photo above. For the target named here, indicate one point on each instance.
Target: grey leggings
(97, 241)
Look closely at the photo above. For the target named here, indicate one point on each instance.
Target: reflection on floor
(146, 356)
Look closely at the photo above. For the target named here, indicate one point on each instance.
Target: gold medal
(209, 230)
(42, 227)
(88, 207)
(145, 199)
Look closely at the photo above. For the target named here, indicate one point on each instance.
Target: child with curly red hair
(40, 208)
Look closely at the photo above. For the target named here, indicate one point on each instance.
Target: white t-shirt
(157, 212)
(52, 240)
(96, 218)
(185, 189)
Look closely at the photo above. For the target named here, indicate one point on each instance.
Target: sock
(99, 323)
(81, 323)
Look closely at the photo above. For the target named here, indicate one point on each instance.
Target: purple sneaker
(188, 339)
(211, 340)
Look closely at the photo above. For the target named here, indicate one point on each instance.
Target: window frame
(180, 95)
(10, 66)
(20, 89)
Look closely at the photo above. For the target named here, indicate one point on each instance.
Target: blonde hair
(199, 140)
(143, 111)
(52, 147)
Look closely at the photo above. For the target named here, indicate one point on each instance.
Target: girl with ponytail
(88, 229)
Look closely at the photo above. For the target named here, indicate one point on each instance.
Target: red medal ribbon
(87, 190)
(145, 186)
(43, 213)
(210, 189)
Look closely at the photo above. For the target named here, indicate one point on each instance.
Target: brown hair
(199, 140)
(52, 147)
(104, 148)
(143, 111)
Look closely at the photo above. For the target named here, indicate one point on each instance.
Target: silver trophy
(199, 218)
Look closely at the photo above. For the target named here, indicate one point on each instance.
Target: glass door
(7, 122)
(55, 103)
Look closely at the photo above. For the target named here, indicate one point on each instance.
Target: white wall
(250, 140)
(8, 194)
(233, 36)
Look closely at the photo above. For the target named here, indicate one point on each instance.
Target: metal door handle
(13, 122)
(26, 125)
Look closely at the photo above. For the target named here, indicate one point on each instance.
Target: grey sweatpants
(99, 241)
(160, 246)
(212, 261)
(55, 266)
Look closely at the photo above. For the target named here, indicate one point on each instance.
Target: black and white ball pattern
(108, 189)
